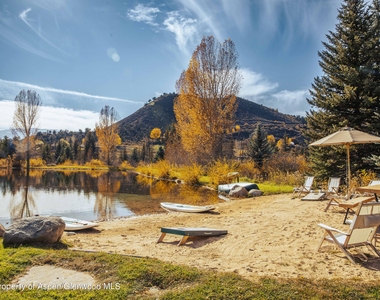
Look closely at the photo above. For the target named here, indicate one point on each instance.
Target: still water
(92, 195)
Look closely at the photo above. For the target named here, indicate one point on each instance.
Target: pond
(90, 195)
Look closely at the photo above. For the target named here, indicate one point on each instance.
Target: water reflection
(23, 206)
(107, 187)
(95, 195)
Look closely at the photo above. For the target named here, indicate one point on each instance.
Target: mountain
(159, 113)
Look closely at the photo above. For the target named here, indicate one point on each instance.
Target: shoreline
(267, 236)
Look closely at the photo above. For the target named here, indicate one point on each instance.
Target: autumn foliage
(206, 104)
(107, 133)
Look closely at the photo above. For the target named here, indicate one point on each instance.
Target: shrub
(125, 165)
(286, 162)
(191, 174)
(95, 162)
(218, 171)
(162, 169)
(36, 162)
(145, 169)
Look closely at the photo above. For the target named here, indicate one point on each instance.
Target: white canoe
(76, 224)
(185, 207)
(227, 187)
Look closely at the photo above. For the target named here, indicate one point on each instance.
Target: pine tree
(348, 92)
(258, 147)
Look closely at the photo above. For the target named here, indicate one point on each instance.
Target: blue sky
(82, 55)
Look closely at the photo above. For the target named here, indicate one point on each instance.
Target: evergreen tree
(258, 147)
(46, 154)
(160, 154)
(135, 155)
(143, 153)
(348, 92)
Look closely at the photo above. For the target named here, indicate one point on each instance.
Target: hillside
(159, 113)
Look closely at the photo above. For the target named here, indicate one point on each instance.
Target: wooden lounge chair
(361, 232)
(187, 232)
(305, 188)
(333, 186)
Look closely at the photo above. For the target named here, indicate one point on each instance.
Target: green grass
(133, 278)
(271, 188)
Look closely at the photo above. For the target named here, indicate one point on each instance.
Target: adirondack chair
(361, 232)
(305, 188)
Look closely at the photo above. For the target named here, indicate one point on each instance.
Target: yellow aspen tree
(107, 133)
(206, 103)
(155, 133)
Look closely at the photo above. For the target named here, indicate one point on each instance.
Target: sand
(267, 236)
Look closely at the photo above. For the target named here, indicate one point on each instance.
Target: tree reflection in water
(26, 206)
(105, 205)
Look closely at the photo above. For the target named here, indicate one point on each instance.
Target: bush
(191, 174)
(286, 162)
(162, 169)
(95, 162)
(125, 165)
(36, 162)
(218, 171)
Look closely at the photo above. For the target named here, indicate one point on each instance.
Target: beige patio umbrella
(347, 136)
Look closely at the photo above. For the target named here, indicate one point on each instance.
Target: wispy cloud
(260, 90)
(290, 102)
(75, 105)
(17, 86)
(145, 14)
(289, 20)
(185, 30)
(52, 117)
(12, 32)
(254, 84)
(37, 29)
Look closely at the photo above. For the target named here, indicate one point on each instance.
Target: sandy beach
(267, 236)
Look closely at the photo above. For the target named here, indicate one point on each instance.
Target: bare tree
(107, 133)
(206, 105)
(27, 108)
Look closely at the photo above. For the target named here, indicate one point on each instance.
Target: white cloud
(52, 117)
(144, 14)
(12, 88)
(185, 30)
(290, 102)
(254, 84)
(204, 11)
(259, 89)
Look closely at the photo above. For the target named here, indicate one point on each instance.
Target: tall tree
(107, 133)
(206, 104)
(27, 108)
(258, 147)
(348, 92)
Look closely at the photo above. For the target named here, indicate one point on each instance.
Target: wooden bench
(186, 232)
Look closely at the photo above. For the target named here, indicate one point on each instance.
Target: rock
(47, 230)
(238, 192)
(254, 193)
(2, 230)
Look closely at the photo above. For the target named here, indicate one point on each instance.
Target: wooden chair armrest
(329, 228)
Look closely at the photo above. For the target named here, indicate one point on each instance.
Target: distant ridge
(159, 113)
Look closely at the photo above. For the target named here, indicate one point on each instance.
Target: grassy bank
(124, 277)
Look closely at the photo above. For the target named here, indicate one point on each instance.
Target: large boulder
(254, 193)
(238, 192)
(47, 230)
